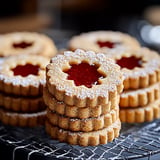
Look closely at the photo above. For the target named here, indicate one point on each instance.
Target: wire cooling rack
(136, 141)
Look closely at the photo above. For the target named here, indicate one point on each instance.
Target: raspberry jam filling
(25, 70)
(129, 62)
(22, 44)
(84, 74)
(106, 44)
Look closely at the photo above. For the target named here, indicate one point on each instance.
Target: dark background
(83, 15)
(74, 15)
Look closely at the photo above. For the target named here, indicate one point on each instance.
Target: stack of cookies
(82, 94)
(140, 100)
(22, 78)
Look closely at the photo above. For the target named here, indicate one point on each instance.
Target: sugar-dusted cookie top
(103, 41)
(83, 78)
(140, 67)
(26, 43)
(23, 75)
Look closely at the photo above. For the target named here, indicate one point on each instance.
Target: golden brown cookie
(22, 104)
(84, 125)
(77, 112)
(103, 41)
(26, 43)
(22, 119)
(84, 138)
(23, 75)
(140, 97)
(141, 68)
(141, 114)
(83, 78)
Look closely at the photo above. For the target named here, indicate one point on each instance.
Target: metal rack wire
(135, 141)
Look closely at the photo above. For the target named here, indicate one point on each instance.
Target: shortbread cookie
(22, 119)
(141, 114)
(84, 125)
(84, 138)
(23, 75)
(83, 78)
(22, 104)
(140, 97)
(140, 68)
(26, 43)
(77, 112)
(103, 41)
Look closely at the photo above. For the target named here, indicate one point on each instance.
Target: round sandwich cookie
(93, 138)
(26, 43)
(140, 97)
(84, 125)
(23, 75)
(77, 112)
(141, 68)
(83, 78)
(103, 41)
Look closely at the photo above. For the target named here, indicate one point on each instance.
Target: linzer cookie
(83, 78)
(22, 78)
(23, 75)
(26, 43)
(82, 97)
(140, 97)
(141, 68)
(103, 41)
(22, 119)
(85, 125)
(141, 114)
(93, 138)
(77, 112)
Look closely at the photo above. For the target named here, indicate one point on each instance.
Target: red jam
(84, 74)
(106, 44)
(25, 70)
(129, 62)
(22, 44)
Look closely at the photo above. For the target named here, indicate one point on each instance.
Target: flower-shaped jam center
(129, 62)
(108, 44)
(84, 74)
(22, 44)
(25, 70)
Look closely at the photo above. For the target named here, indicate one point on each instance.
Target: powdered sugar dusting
(150, 61)
(106, 66)
(41, 44)
(7, 76)
(88, 41)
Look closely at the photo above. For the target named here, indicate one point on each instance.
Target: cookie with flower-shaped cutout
(83, 78)
(23, 75)
(26, 43)
(141, 68)
(22, 78)
(103, 41)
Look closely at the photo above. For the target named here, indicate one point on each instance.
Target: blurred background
(64, 18)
